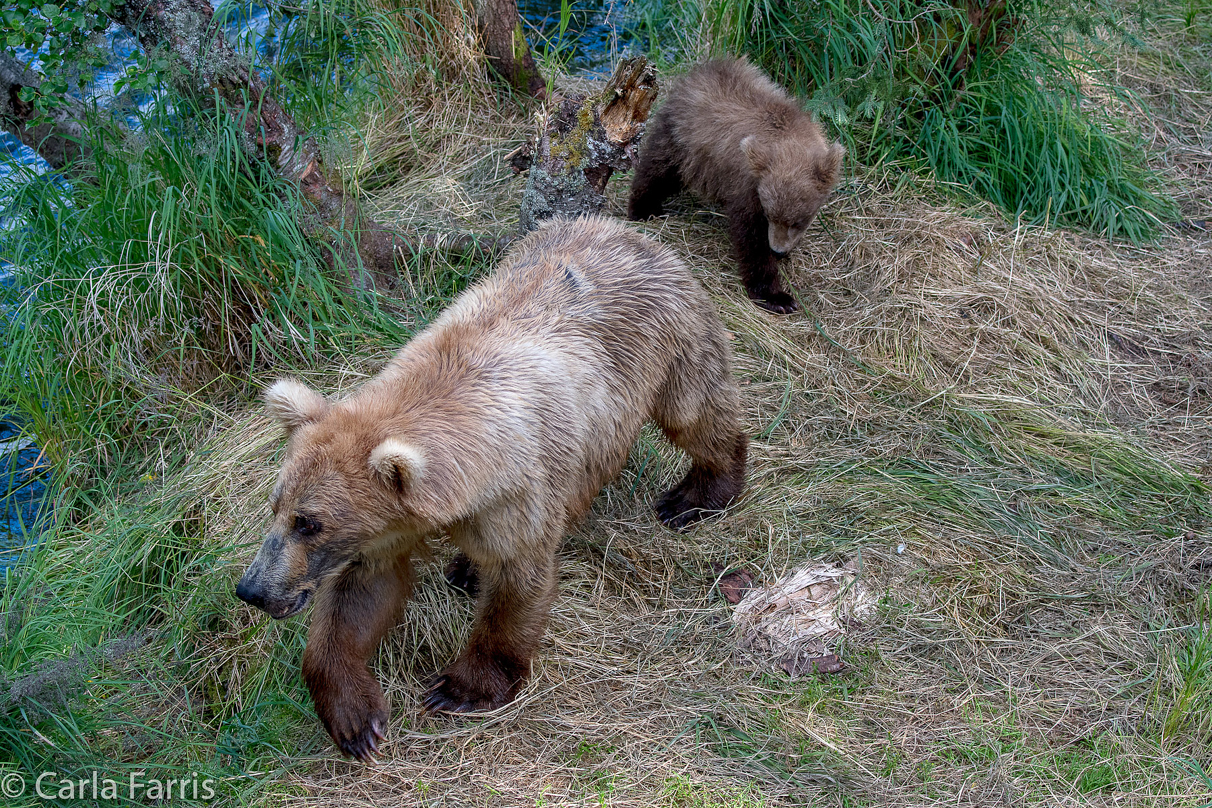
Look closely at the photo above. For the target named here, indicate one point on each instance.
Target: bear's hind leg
(511, 614)
(699, 413)
(351, 616)
(749, 231)
(656, 175)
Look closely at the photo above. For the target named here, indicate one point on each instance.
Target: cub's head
(793, 183)
(346, 494)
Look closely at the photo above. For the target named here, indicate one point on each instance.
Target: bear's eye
(306, 526)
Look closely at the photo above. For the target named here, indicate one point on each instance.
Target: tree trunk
(500, 28)
(59, 140)
(583, 142)
(209, 65)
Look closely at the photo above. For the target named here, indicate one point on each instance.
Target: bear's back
(713, 108)
(549, 366)
(591, 277)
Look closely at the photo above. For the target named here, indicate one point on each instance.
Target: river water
(595, 34)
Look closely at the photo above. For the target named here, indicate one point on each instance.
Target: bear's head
(347, 494)
(793, 182)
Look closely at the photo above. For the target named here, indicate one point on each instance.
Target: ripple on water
(595, 32)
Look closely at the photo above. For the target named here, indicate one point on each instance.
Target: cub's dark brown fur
(731, 134)
(496, 426)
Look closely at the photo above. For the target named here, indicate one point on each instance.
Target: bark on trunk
(500, 28)
(59, 141)
(582, 142)
(209, 65)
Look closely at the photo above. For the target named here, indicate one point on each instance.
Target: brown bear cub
(497, 426)
(731, 134)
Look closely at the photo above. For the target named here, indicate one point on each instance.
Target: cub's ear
(294, 403)
(758, 157)
(836, 152)
(397, 464)
(828, 166)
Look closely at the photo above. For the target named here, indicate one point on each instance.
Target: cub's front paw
(464, 689)
(356, 720)
(777, 302)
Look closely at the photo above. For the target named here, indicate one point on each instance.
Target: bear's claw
(445, 696)
(777, 302)
(452, 692)
(355, 722)
(363, 744)
(676, 512)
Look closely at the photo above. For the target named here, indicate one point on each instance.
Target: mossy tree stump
(582, 141)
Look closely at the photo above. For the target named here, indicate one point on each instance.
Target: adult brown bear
(496, 426)
(734, 136)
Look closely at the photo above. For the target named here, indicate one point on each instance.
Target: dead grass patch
(1006, 427)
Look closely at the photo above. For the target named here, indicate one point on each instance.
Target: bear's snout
(253, 591)
(250, 593)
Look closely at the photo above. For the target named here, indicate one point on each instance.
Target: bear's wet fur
(496, 426)
(732, 135)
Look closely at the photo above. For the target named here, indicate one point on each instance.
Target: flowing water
(595, 33)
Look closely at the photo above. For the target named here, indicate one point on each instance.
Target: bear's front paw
(459, 690)
(777, 302)
(356, 720)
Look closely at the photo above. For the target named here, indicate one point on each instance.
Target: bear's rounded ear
(294, 404)
(828, 167)
(755, 152)
(397, 464)
(836, 153)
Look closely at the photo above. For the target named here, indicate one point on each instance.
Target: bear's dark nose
(779, 253)
(251, 594)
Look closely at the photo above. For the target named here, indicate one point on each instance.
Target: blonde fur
(496, 426)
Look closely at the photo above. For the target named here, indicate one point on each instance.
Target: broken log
(583, 140)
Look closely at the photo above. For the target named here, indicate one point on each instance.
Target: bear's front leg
(351, 616)
(511, 613)
(749, 231)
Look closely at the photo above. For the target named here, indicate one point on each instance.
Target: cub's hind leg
(656, 174)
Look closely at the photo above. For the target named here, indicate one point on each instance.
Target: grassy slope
(1027, 412)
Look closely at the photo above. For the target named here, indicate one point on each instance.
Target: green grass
(158, 282)
(684, 792)
(329, 58)
(167, 283)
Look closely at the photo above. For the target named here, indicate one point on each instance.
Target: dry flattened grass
(1016, 407)
(1172, 81)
